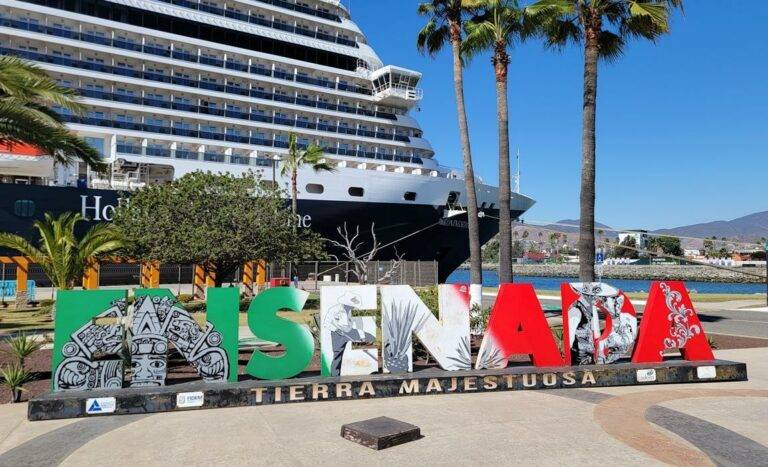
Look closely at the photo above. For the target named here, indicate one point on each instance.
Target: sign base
(199, 395)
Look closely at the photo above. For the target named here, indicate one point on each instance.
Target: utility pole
(765, 249)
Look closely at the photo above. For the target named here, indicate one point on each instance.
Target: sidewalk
(694, 424)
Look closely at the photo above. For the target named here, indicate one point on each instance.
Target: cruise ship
(176, 86)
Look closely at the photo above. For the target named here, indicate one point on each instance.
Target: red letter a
(517, 326)
(669, 322)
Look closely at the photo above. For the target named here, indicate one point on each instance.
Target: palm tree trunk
(294, 193)
(501, 61)
(587, 214)
(475, 259)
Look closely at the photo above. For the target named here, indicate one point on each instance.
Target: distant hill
(565, 226)
(750, 228)
(569, 228)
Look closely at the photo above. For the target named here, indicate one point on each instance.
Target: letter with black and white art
(446, 339)
(339, 330)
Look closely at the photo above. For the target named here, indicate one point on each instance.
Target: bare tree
(395, 265)
(351, 246)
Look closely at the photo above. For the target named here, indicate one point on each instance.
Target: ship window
(24, 208)
(315, 188)
(453, 197)
(356, 191)
(409, 196)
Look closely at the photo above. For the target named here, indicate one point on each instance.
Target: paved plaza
(694, 424)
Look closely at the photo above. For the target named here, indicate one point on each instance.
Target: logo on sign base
(99, 405)
(189, 399)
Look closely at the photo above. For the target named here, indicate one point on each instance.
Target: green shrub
(22, 346)
(185, 298)
(478, 319)
(14, 377)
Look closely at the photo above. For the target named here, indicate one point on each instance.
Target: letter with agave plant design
(446, 339)
(339, 329)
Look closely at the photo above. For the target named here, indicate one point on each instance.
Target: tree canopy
(217, 220)
(667, 245)
(631, 252)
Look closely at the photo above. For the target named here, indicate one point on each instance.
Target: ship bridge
(396, 86)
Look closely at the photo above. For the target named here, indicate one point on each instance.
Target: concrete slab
(547, 427)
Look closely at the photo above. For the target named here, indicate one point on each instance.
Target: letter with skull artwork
(446, 339)
(339, 330)
(81, 350)
(160, 320)
(93, 325)
(582, 305)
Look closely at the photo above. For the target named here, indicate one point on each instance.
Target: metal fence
(314, 274)
(310, 274)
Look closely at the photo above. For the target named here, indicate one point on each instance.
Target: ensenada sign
(95, 329)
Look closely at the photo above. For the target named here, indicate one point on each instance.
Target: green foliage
(62, 256)
(557, 334)
(26, 92)
(491, 250)
(444, 18)
(13, 378)
(430, 297)
(667, 245)
(478, 319)
(610, 22)
(631, 252)
(496, 26)
(298, 158)
(22, 346)
(218, 220)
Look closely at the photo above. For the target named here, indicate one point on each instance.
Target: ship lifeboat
(23, 160)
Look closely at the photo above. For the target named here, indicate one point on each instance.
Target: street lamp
(765, 249)
(275, 158)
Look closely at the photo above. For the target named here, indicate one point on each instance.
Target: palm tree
(62, 256)
(26, 93)
(497, 26)
(445, 25)
(298, 158)
(602, 27)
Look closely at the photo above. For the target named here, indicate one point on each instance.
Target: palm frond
(26, 92)
(20, 244)
(60, 254)
(432, 38)
(610, 45)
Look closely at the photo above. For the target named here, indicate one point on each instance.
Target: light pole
(765, 249)
(275, 158)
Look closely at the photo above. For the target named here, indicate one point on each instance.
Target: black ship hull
(408, 231)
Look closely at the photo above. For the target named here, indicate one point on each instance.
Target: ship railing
(451, 172)
(408, 93)
(186, 154)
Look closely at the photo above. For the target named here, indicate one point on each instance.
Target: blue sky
(682, 125)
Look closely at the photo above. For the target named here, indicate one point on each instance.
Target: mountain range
(748, 228)
(751, 227)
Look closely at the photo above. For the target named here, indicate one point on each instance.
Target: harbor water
(491, 279)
